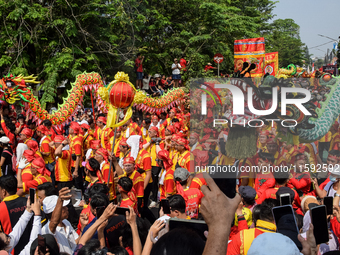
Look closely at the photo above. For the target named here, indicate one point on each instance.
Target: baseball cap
(50, 202)
(247, 192)
(266, 243)
(4, 139)
(181, 173)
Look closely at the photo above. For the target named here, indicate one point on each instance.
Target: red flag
(271, 63)
(251, 51)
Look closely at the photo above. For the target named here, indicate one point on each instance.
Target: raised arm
(153, 233)
(117, 167)
(56, 215)
(108, 213)
(36, 229)
(59, 151)
(136, 243)
(218, 212)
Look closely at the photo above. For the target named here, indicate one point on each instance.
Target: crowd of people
(98, 190)
(158, 84)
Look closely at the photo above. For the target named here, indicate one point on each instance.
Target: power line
(327, 37)
(321, 45)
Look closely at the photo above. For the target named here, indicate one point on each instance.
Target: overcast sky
(314, 17)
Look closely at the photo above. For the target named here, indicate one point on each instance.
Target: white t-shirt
(66, 237)
(329, 188)
(177, 70)
(88, 154)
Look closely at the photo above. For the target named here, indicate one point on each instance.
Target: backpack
(14, 160)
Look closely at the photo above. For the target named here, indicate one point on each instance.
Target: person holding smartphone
(281, 180)
(264, 224)
(98, 204)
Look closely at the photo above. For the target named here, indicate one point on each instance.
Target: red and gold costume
(42, 176)
(87, 137)
(152, 148)
(240, 243)
(105, 170)
(169, 186)
(63, 165)
(33, 146)
(183, 159)
(143, 162)
(44, 145)
(76, 143)
(136, 178)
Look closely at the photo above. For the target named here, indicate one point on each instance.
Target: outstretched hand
(131, 216)
(64, 193)
(308, 245)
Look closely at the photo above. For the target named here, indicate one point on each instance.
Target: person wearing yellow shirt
(116, 150)
(145, 128)
(45, 150)
(168, 121)
(193, 142)
(87, 137)
(102, 156)
(149, 145)
(63, 174)
(262, 141)
(128, 130)
(103, 133)
(173, 152)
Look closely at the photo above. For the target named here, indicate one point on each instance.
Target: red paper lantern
(121, 95)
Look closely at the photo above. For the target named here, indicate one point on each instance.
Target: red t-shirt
(163, 83)
(271, 193)
(206, 68)
(264, 182)
(193, 200)
(139, 65)
(22, 127)
(128, 202)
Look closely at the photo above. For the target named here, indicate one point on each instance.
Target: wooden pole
(94, 116)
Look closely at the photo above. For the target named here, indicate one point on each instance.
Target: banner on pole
(271, 64)
(251, 51)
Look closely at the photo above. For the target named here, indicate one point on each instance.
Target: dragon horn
(27, 79)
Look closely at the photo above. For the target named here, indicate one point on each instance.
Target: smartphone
(42, 244)
(122, 210)
(32, 195)
(199, 226)
(319, 220)
(166, 206)
(286, 223)
(285, 199)
(99, 211)
(328, 202)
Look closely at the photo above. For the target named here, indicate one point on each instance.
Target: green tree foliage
(62, 38)
(284, 37)
(59, 39)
